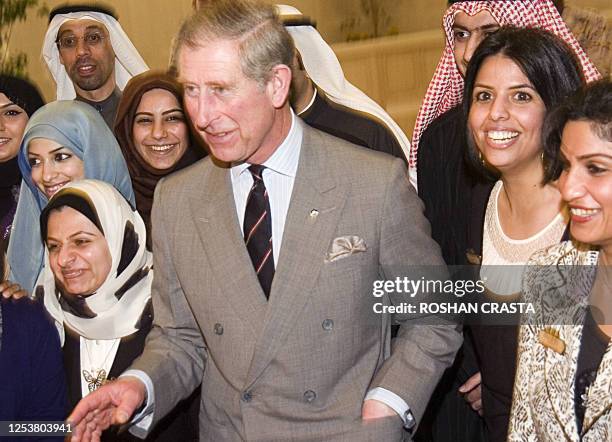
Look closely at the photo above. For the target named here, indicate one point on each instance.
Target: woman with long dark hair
(513, 78)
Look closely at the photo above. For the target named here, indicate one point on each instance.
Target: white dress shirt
(278, 177)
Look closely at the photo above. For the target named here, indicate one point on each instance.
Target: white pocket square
(345, 246)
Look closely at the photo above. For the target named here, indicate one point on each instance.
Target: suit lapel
(316, 205)
(216, 222)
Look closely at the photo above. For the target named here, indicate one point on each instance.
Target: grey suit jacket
(299, 366)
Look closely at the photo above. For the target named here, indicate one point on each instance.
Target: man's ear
(278, 85)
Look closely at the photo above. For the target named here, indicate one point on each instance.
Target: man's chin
(225, 156)
(88, 84)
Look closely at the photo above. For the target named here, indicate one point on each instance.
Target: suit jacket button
(310, 396)
(218, 329)
(328, 324)
(247, 396)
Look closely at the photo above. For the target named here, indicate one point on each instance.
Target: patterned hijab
(80, 128)
(114, 310)
(445, 90)
(144, 176)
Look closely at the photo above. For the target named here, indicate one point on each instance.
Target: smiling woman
(53, 165)
(96, 284)
(513, 77)
(575, 405)
(154, 134)
(18, 101)
(64, 141)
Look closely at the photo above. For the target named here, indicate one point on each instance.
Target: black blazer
(495, 345)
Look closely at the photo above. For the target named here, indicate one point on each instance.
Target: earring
(482, 160)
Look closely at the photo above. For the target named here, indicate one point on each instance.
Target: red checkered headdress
(445, 90)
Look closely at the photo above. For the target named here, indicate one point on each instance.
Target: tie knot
(256, 170)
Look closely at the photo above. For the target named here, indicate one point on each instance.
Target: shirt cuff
(395, 402)
(141, 422)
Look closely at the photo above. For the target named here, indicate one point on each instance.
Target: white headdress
(128, 61)
(324, 69)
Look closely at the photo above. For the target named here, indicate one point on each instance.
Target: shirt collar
(112, 100)
(285, 158)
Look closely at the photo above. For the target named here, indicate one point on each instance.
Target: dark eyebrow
(9, 104)
(88, 28)
(518, 86)
(51, 151)
(594, 155)
(58, 149)
(80, 232)
(523, 86)
(169, 111)
(488, 27)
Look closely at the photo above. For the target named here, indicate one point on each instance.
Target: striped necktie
(258, 230)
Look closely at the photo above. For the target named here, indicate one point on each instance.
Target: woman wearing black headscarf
(19, 99)
(155, 136)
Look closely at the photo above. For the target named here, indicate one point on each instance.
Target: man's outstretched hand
(112, 404)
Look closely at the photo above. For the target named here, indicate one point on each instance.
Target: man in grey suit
(264, 275)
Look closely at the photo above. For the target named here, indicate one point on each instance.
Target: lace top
(504, 258)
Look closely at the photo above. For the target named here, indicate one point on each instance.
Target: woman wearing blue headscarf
(64, 141)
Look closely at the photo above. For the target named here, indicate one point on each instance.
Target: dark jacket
(32, 383)
(181, 424)
(495, 345)
(350, 125)
(445, 183)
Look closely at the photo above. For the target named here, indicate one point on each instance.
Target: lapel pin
(549, 338)
(314, 213)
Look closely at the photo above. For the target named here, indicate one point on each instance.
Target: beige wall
(394, 71)
(151, 25)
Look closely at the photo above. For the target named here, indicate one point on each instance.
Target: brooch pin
(94, 382)
(549, 338)
(314, 213)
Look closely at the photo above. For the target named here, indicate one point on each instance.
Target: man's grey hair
(263, 40)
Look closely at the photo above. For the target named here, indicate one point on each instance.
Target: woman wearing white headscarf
(96, 284)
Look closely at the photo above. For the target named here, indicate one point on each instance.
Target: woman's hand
(472, 392)
(10, 289)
